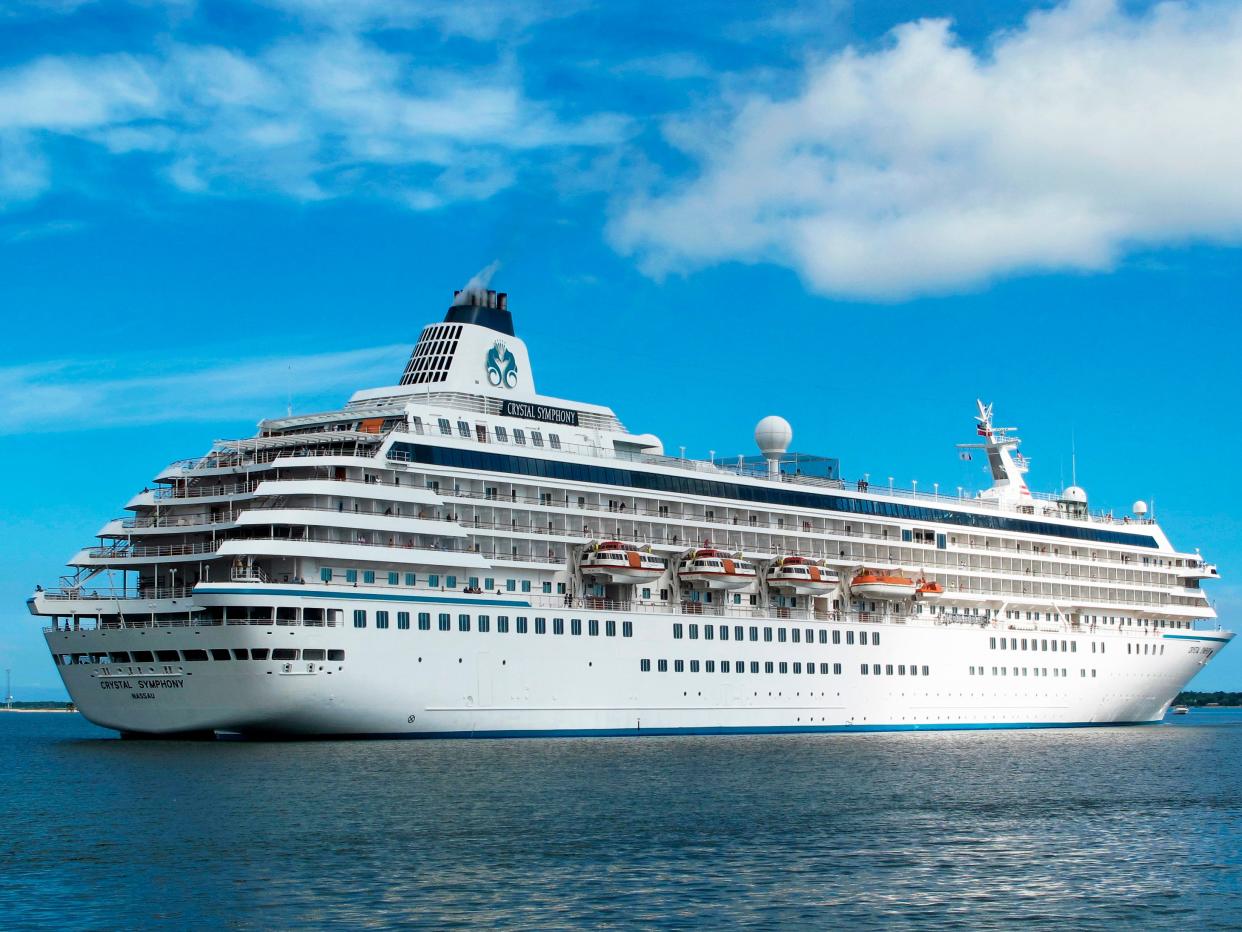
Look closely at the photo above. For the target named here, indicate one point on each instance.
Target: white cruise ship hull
(434, 683)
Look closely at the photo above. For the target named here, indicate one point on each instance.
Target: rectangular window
(485, 624)
(403, 621)
(463, 622)
(575, 626)
(593, 627)
(875, 638)
(767, 666)
(709, 632)
(489, 584)
(450, 582)
(325, 574)
(781, 634)
(678, 630)
(520, 624)
(694, 666)
(313, 653)
(519, 436)
(502, 434)
(784, 667)
(446, 621)
(558, 625)
(709, 666)
(888, 669)
(644, 666)
(541, 626)
(511, 585)
(555, 441)
(836, 637)
(694, 632)
(526, 585)
(739, 633)
(925, 671)
(767, 634)
(797, 667)
(394, 579)
(433, 580)
(360, 618)
(610, 628)
(411, 579)
(849, 637)
(679, 666)
(381, 619)
(351, 576)
(836, 668)
(627, 629)
(368, 576)
(865, 669)
(754, 633)
(502, 624)
(424, 621)
(754, 666)
(536, 437)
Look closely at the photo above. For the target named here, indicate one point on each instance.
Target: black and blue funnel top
(488, 309)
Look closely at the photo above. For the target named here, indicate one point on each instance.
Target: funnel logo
(501, 366)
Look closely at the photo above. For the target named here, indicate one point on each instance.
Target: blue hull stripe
(376, 597)
(693, 730)
(1196, 637)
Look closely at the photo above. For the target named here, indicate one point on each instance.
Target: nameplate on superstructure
(537, 412)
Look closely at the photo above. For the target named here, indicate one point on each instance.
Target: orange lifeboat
(714, 569)
(872, 584)
(801, 576)
(614, 561)
(929, 589)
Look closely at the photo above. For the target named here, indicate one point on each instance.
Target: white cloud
(76, 394)
(310, 118)
(925, 166)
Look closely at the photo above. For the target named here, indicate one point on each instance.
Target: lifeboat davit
(870, 584)
(715, 569)
(929, 589)
(801, 576)
(614, 561)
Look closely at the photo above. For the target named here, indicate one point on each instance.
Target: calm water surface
(1079, 829)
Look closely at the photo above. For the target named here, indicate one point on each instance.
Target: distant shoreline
(74, 711)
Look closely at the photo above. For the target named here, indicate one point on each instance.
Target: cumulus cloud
(83, 394)
(307, 118)
(925, 166)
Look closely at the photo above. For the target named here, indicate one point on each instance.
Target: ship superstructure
(458, 554)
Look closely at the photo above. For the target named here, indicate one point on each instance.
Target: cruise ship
(458, 555)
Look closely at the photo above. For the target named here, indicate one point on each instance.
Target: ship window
(450, 582)
(925, 671)
(336, 655)
(575, 626)
(644, 666)
(526, 585)
(313, 617)
(424, 621)
(325, 574)
(709, 632)
(445, 427)
(351, 576)
(862, 637)
(502, 435)
(849, 637)
(360, 618)
(463, 622)
(694, 666)
(558, 625)
(627, 629)
(217, 653)
(519, 436)
(781, 634)
(368, 576)
(381, 619)
(403, 621)
(875, 669)
(662, 666)
(433, 580)
(502, 624)
(167, 656)
(284, 653)
(485, 624)
(836, 637)
(541, 626)
(239, 653)
(679, 666)
(593, 627)
(694, 632)
(394, 579)
(678, 630)
(797, 667)
(767, 666)
(536, 438)
(767, 634)
(445, 621)
(914, 671)
(554, 440)
(610, 628)
(464, 429)
(313, 653)
(258, 653)
(511, 585)
(194, 654)
(520, 624)
(418, 424)
(888, 669)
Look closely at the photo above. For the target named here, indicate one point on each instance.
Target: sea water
(1095, 828)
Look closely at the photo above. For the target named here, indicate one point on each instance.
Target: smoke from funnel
(478, 283)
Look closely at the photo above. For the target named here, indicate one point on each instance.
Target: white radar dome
(1074, 494)
(1140, 508)
(773, 435)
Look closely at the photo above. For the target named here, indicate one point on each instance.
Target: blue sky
(859, 216)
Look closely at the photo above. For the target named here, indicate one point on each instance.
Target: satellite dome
(1139, 508)
(773, 435)
(1075, 494)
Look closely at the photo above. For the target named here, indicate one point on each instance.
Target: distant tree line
(1200, 699)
